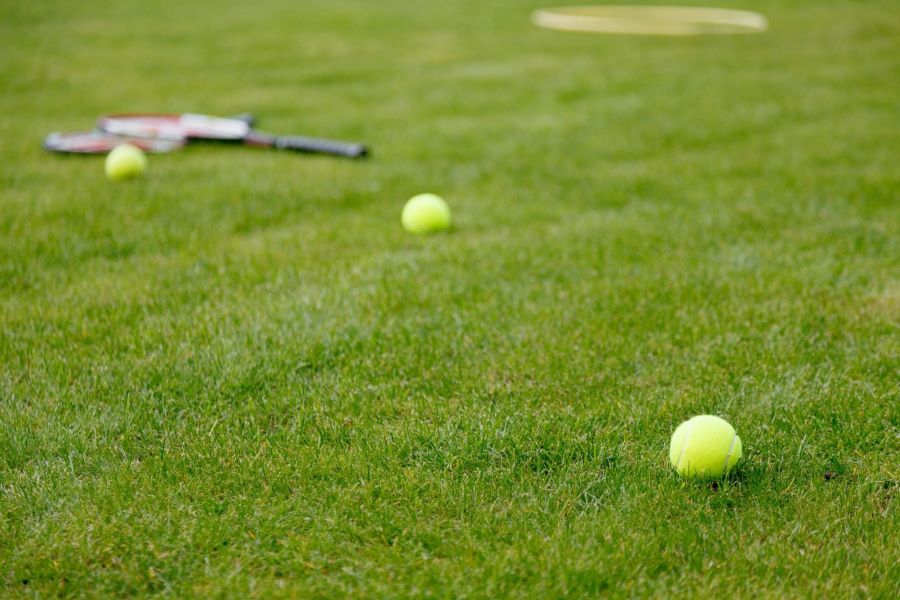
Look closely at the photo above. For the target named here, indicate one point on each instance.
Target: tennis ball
(704, 447)
(125, 162)
(425, 213)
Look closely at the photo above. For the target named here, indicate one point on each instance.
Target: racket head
(650, 20)
(101, 142)
(175, 127)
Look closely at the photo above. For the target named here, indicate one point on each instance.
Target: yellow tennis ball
(705, 447)
(425, 213)
(125, 162)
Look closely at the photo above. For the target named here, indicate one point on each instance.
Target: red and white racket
(102, 142)
(190, 127)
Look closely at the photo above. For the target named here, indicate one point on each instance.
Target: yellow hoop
(651, 20)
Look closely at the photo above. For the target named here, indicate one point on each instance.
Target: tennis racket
(650, 20)
(102, 142)
(190, 127)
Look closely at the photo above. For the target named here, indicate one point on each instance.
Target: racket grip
(320, 146)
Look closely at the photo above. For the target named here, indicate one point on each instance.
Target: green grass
(240, 378)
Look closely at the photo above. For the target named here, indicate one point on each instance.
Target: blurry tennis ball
(704, 447)
(425, 213)
(125, 162)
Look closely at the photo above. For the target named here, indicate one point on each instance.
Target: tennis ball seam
(730, 450)
(687, 436)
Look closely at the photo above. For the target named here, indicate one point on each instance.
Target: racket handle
(320, 146)
(308, 144)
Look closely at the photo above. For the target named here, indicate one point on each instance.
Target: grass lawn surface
(239, 377)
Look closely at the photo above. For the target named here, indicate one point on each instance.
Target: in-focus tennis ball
(125, 162)
(705, 447)
(425, 213)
